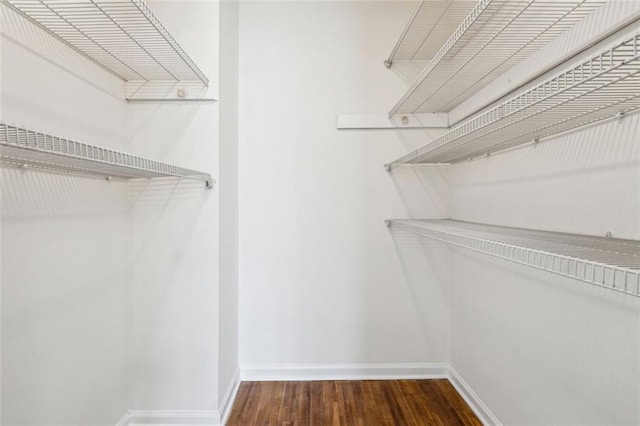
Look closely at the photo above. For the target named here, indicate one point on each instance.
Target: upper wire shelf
(610, 263)
(496, 35)
(604, 86)
(429, 27)
(123, 37)
(22, 147)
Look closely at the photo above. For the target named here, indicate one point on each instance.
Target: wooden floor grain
(351, 403)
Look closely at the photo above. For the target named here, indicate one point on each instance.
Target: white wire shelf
(605, 262)
(605, 86)
(496, 35)
(429, 27)
(22, 147)
(124, 37)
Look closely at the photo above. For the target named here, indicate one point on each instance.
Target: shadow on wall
(167, 122)
(172, 288)
(520, 329)
(413, 139)
(171, 192)
(408, 71)
(583, 182)
(173, 132)
(599, 147)
(174, 201)
(29, 36)
(64, 248)
(426, 271)
(28, 194)
(423, 189)
(66, 274)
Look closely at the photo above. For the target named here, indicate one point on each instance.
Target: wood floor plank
(351, 403)
(316, 403)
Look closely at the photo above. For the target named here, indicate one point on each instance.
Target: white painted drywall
(109, 291)
(539, 348)
(228, 187)
(173, 296)
(65, 244)
(320, 278)
(320, 283)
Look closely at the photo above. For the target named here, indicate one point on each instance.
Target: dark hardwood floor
(351, 403)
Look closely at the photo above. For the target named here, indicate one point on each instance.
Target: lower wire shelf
(22, 147)
(606, 262)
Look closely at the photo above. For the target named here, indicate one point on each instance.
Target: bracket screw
(388, 63)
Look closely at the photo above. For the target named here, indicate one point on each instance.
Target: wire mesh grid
(606, 262)
(603, 86)
(495, 36)
(27, 148)
(429, 27)
(123, 36)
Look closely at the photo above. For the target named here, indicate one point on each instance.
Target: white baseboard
(255, 373)
(312, 372)
(229, 398)
(472, 399)
(185, 417)
(170, 418)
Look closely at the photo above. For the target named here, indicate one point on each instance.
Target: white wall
(65, 244)
(140, 283)
(541, 349)
(228, 273)
(537, 348)
(109, 290)
(320, 280)
(173, 296)
(323, 283)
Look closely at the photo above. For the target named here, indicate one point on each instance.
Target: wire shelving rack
(604, 86)
(428, 28)
(124, 37)
(496, 35)
(22, 147)
(610, 263)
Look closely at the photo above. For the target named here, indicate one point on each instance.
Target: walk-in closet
(319, 212)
